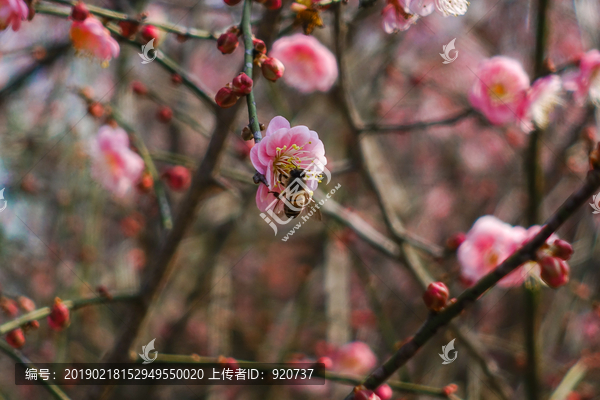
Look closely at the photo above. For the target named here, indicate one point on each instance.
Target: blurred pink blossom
(281, 150)
(12, 12)
(309, 66)
(541, 100)
(355, 358)
(115, 166)
(587, 79)
(500, 89)
(397, 16)
(91, 38)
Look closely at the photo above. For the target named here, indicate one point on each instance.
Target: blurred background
(236, 289)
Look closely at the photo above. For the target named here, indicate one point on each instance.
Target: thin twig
(248, 67)
(469, 296)
(448, 121)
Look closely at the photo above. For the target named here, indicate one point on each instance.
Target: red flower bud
(164, 114)
(272, 69)
(146, 182)
(232, 2)
(79, 12)
(273, 4)
(96, 109)
(227, 42)
(129, 28)
(241, 85)
(150, 32)
(228, 362)
(562, 249)
(59, 315)
(132, 225)
(16, 338)
(259, 46)
(384, 392)
(326, 361)
(449, 389)
(555, 272)
(455, 241)
(361, 393)
(178, 178)
(139, 88)
(9, 307)
(176, 79)
(225, 97)
(26, 303)
(436, 296)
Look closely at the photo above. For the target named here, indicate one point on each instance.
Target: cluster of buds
(178, 178)
(228, 95)
(228, 41)
(269, 4)
(11, 308)
(436, 296)
(552, 258)
(271, 67)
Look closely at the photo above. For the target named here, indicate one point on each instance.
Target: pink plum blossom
(397, 16)
(309, 66)
(281, 150)
(91, 38)
(12, 12)
(540, 101)
(355, 358)
(114, 164)
(587, 80)
(489, 242)
(500, 89)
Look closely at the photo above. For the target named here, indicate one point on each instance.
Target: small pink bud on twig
(454, 241)
(139, 88)
(241, 85)
(562, 249)
(436, 296)
(272, 69)
(227, 42)
(59, 317)
(259, 46)
(164, 114)
(554, 271)
(16, 338)
(79, 12)
(178, 178)
(225, 97)
(384, 392)
(232, 2)
(150, 32)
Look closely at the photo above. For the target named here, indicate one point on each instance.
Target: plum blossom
(539, 103)
(452, 7)
(500, 89)
(397, 16)
(282, 149)
(114, 165)
(309, 66)
(92, 39)
(355, 358)
(587, 80)
(12, 12)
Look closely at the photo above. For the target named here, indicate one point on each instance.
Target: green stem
(248, 67)
(16, 355)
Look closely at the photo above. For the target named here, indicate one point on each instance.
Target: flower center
(290, 158)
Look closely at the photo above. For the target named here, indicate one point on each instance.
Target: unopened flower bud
(325, 361)
(16, 338)
(26, 303)
(139, 88)
(247, 134)
(9, 307)
(454, 241)
(96, 110)
(150, 32)
(225, 97)
(164, 114)
(176, 79)
(178, 178)
(79, 12)
(262, 127)
(146, 182)
(227, 42)
(59, 315)
(241, 85)
(228, 362)
(32, 325)
(362, 393)
(450, 389)
(232, 2)
(436, 296)
(273, 4)
(297, 7)
(554, 271)
(384, 392)
(562, 249)
(259, 46)
(272, 69)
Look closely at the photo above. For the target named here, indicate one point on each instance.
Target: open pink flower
(500, 89)
(281, 150)
(587, 80)
(92, 39)
(12, 12)
(397, 16)
(540, 101)
(309, 66)
(114, 165)
(355, 358)
(489, 242)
